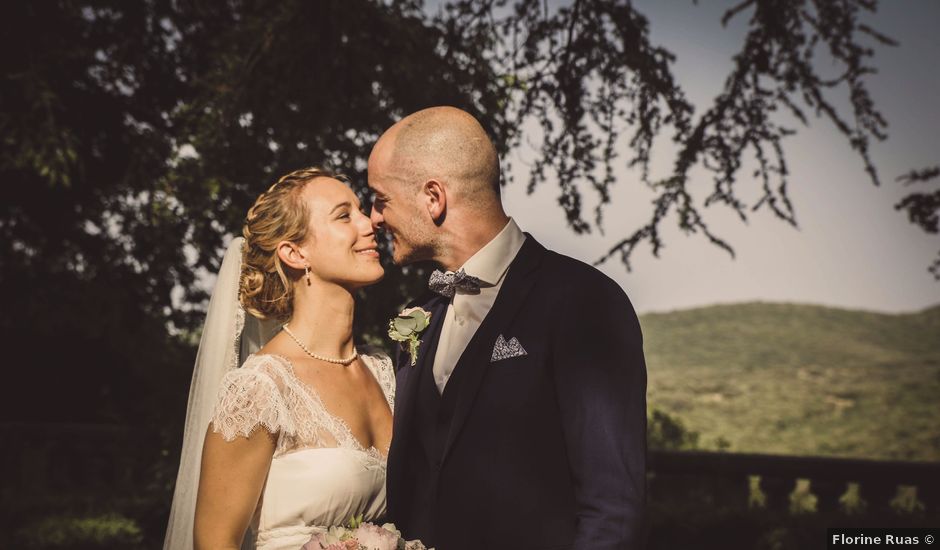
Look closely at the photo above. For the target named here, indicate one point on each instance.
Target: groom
(521, 422)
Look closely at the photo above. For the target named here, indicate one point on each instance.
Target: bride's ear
(435, 196)
(291, 255)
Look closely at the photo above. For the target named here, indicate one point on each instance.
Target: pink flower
(366, 536)
(330, 541)
(374, 537)
(349, 544)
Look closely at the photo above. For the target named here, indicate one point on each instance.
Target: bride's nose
(365, 224)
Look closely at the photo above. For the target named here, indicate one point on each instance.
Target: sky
(851, 249)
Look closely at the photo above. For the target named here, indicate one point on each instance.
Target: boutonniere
(406, 327)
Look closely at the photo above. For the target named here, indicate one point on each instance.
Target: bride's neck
(323, 319)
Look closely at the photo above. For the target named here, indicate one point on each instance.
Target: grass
(78, 533)
(800, 379)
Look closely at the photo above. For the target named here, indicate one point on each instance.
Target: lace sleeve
(248, 398)
(384, 371)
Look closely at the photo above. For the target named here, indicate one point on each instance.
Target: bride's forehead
(325, 193)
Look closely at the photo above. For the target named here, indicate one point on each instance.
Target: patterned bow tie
(448, 283)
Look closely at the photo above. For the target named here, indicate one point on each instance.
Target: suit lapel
(408, 376)
(512, 294)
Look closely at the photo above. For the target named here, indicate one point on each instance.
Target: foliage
(588, 75)
(136, 135)
(665, 432)
(75, 533)
(803, 380)
(923, 209)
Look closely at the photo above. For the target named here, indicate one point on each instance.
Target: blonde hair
(265, 290)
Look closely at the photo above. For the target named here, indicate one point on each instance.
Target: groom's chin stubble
(404, 260)
(412, 256)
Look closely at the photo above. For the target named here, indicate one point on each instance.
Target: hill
(800, 379)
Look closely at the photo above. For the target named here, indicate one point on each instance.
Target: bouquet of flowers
(359, 535)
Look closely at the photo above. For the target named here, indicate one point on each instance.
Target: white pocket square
(505, 350)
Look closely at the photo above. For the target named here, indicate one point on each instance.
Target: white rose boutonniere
(406, 327)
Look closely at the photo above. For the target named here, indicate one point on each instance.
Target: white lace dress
(320, 475)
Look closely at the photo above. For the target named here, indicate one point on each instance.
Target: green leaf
(405, 325)
(393, 334)
(421, 320)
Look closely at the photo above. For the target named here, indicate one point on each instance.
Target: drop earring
(307, 274)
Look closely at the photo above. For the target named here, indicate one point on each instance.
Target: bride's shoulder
(265, 361)
(382, 369)
(275, 367)
(377, 356)
(256, 393)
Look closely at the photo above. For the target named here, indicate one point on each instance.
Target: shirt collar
(490, 263)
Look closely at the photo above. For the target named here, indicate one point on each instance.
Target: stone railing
(878, 483)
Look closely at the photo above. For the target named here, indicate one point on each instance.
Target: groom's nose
(376, 218)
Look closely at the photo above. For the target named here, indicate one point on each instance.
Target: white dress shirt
(465, 312)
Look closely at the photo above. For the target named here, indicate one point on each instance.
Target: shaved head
(435, 182)
(448, 144)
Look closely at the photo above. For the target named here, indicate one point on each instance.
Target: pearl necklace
(343, 362)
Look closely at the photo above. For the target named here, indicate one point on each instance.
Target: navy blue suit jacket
(545, 450)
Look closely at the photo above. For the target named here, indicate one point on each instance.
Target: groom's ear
(436, 200)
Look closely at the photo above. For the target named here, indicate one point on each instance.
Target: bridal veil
(229, 335)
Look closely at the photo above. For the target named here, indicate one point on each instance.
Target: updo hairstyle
(266, 288)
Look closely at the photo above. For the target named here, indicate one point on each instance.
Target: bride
(298, 430)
